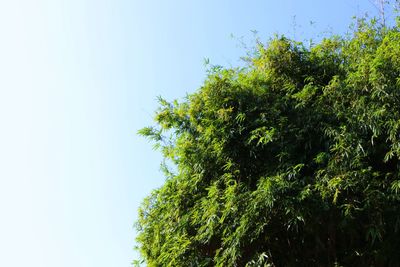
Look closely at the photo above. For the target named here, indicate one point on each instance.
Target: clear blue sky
(78, 78)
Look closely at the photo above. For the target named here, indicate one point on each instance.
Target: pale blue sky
(78, 78)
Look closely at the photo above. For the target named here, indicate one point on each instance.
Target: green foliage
(290, 161)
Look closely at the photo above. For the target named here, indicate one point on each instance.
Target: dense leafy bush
(290, 161)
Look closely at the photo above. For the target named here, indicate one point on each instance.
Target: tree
(292, 160)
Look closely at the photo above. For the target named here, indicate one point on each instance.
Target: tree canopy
(292, 160)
